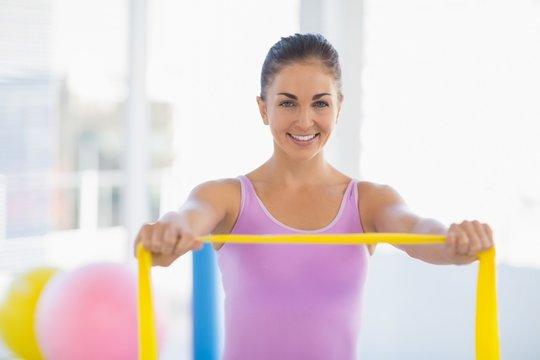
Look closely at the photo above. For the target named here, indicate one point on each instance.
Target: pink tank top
(286, 301)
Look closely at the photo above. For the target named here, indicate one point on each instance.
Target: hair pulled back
(300, 48)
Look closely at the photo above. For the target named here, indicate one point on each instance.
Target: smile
(304, 138)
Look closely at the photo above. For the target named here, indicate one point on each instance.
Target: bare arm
(464, 240)
(175, 233)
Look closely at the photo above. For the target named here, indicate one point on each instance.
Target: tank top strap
(250, 212)
(249, 197)
(349, 220)
(352, 197)
(253, 216)
(244, 187)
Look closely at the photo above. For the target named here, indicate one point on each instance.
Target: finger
(476, 237)
(195, 244)
(483, 237)
(489, 235)
(451, 240)
(462, 242)
(145, 235)
(185, 242)
(169, 240)
(156, 240)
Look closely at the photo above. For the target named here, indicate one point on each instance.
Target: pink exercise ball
(89, 313)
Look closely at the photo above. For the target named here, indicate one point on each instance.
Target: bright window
(451, 93)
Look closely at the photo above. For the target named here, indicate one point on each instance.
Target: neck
(293, 172)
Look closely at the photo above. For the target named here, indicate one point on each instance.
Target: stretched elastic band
(148, 349)
(487, 329)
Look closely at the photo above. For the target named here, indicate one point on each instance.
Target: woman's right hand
(166, 241)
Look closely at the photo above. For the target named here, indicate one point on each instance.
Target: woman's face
(301, 106)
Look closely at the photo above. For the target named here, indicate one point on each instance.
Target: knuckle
(167, 225)
(463, 244)
(168, 235)
(159, 226)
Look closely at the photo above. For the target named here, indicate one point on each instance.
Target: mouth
(303, 139)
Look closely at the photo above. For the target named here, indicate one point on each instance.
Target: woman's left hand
(466, 239)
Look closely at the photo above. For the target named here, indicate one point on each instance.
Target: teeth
(303, 137)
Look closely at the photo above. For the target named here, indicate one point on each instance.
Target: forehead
(302, 77)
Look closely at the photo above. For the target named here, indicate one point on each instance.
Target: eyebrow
(294, 97)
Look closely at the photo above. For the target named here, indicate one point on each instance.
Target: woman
(299, 301)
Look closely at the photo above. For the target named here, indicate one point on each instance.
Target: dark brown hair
(300, 48)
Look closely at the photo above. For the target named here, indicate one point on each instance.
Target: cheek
(280, 118)
(329, 120)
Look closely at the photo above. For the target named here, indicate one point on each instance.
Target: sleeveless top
(292, 301)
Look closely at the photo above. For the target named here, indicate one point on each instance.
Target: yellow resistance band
(148, 349)
(487, 328)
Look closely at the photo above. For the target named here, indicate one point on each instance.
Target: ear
(262, 109)
(340, 102)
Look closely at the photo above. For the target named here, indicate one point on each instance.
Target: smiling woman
(290, 301)
(301, 105)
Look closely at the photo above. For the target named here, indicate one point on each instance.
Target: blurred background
(111, 111)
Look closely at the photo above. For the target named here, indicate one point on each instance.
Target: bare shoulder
(372, 199)
(219, 190)
(222, 195)
(225, 196)
(378, 193)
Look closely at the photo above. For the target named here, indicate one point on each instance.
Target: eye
(320, 104)
(287, 104)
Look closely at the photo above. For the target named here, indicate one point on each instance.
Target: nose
(305, 118)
